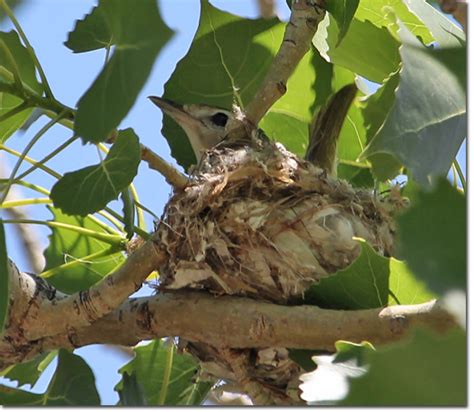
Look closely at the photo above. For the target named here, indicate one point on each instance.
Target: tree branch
(304, 21)
(52, 316)
(194, 316)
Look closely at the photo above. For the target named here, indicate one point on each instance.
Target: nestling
(204, 125)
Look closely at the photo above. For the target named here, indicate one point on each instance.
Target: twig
(266, 8)
(171, 174)
(304, 21)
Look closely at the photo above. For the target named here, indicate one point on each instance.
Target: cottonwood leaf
(364, 284)
(28, 373)
(131, 393)
(150, 365)
(68, 255)
(343, 12)
(138, 34)
(226, 63)
(445, 31)
(432, 238)
(26, 69)
(4, 278)
(73, 384)
(426, 370)
(88, 190)
(376, 11)
(429, 113)
(368, 50)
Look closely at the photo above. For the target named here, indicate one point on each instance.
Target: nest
(258, 221)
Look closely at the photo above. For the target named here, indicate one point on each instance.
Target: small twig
(266, 8)
(171, 174)
(304, 21)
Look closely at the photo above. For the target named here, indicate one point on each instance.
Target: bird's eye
(220, 119)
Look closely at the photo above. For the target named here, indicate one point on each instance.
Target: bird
(205, 126)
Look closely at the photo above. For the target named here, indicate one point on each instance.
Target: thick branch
(50, 317)
(304, 21)
(228, 322)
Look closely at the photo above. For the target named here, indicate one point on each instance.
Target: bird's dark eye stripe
(220, 119)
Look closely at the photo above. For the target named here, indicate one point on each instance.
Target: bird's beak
(177, 112)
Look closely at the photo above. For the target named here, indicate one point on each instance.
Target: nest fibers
(259, 222)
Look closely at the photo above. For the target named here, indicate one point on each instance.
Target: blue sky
(46, 24)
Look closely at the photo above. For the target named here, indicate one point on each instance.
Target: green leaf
(427, 370)
(367, 50)
(362, 285)
(28, 373)
(376, 11)
(89, 189)
(73, 384)
(405, 287)
(444, 30)
(69, 264)
(138, 33)
(432, 238)
(427, 122)
(26, 69)
(91, 33)
(131, 393)
(22, 61)
(152, 369)
(4, 279)
(235, 54)
(128, 212)
(343, 12)
(11, 124)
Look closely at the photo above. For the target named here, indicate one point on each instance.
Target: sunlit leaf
(73, 384)
(343, 12)
(26, 69)
(364, 284)
(426, 370)
(68, 247)
(90, 189)
(432, 238)
(150, 366)
(376, 10)
(138, 34)
(423, 130)
(368, 50)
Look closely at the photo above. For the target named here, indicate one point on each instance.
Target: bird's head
(204, 125)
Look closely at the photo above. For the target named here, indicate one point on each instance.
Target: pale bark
(226, 322)
(304, 21)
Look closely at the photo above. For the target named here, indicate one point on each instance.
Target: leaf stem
(30, 49)
(25, 202)
(166, 374)
(48, 157)
(38, 135)
(461, 175)
(17, 109)
(114, 240)
(37, 188)
(75, 262)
